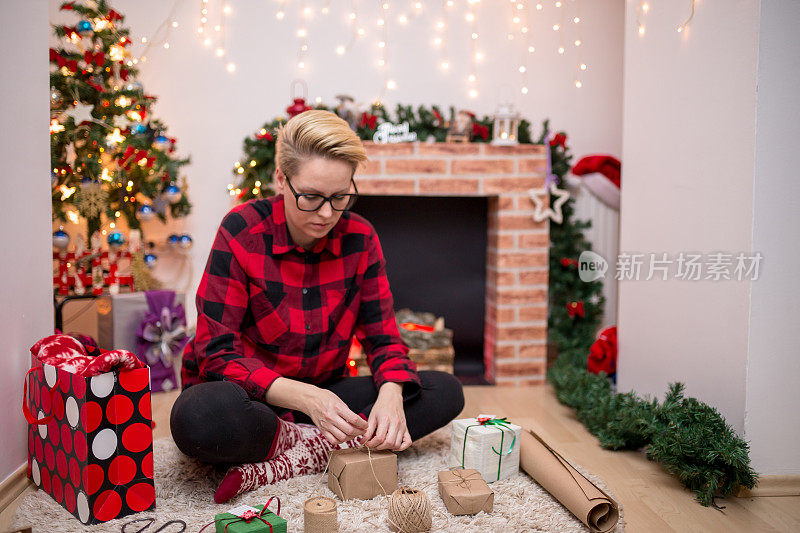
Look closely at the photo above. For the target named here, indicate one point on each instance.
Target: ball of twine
(410, 510)
(319, 515)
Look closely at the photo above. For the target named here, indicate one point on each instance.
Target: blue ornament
(150, 260)
(186, 241)
(83, 26)
(161, 143)
(60, 239)
(172, 194)
(173, 240)
(145, 213)
(115, 240)
(138, 128)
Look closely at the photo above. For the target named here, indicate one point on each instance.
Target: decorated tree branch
(110, 157)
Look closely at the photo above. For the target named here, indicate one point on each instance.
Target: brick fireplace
(516, 269)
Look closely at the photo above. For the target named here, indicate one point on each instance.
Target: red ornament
(369, 121)
(113, 15)
(567, 262)
(69, 32)
(603, 353)
(576, 309)
(266, 135)
(297, 107)
(69, 6)
(438, 117)
(560, 139)
(479, 130)
(123, 73)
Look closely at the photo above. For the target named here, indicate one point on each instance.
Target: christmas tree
(110, 157)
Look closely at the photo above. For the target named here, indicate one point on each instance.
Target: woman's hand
(387, 421)
(328, 412)
(332, 416)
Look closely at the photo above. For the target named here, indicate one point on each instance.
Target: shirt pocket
(340, 311)
(270, 314)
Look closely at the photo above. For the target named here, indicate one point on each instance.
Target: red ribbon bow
(560, 139)
(67, 6)
(69, 32)
(113, 15)
(123, 73)
(97, 58)
(71, 64)
(479, 130)
(133, 156)
(567, 262)
(370, 121)
(248, 516)
(575, 308)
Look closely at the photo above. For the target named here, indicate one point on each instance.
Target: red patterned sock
(287, 435)
(308, 456)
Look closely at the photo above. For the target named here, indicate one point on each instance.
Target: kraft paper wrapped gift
(488, 444)
(361, 474)
(465, 492)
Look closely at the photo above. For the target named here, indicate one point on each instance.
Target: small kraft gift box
(90, 440)
(361, 473)
(488, 444)
(247, 519)
(465, 492)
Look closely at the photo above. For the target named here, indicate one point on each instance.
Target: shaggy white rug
(185, 488)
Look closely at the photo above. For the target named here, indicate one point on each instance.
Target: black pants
(217, 422)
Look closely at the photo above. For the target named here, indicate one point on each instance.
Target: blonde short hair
(317, 133)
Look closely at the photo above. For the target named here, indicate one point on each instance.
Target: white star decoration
(543, 210)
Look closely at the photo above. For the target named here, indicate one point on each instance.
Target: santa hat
(601, 175)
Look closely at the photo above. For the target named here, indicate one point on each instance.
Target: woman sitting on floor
(289, 281)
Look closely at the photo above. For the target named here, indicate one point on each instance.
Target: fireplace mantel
(517, 253)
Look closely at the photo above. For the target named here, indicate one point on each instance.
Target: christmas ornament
(162, 143)
(603, 353)
(138, 128)
(60, 239)
(576, 309)
(506, 126)
(186, 241)
(91, 200)
(83, 27)
(299, 104)
(172, 194)
(601, 175)
(539, 200)
(173, 240)
(115, 240)
(150, 260)
(145, 213)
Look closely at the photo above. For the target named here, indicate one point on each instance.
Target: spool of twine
(319, 515)
(410, 511)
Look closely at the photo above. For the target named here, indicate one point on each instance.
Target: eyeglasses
(313, 202)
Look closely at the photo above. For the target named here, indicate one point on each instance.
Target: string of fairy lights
(528, 20)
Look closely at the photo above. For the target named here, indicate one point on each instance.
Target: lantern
(506, 125)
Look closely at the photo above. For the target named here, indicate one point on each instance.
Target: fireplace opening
(435, 249)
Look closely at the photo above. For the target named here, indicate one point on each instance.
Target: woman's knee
(448, 391)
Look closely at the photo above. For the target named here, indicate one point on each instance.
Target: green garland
(253, 174)
(687, 437)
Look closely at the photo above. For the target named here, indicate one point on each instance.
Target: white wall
(688, 134)
(211, 111)
(709, 133)
(26, 297)
(772, 422)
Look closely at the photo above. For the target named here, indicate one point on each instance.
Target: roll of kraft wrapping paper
(583, 498)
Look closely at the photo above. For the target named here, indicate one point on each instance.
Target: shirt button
(305, 291)
(308, 326)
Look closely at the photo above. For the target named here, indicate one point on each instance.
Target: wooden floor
(652, 500)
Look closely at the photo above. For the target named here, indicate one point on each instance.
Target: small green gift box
(246, 519)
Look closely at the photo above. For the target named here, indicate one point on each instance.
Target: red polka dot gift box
(90, 440)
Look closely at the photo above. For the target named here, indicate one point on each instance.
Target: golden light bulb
(576, 20)
(516, 20)
(220, 52)
(524, 90)
(174, 24)
(556, 27)
(252, 162)
(403, 19)
(340, 50)
(473, 93)
(578, 84)
(531, 49)
(352, 16)
(207, 41)
(301, 64)
(522, 69)
(440, 24)
(391, 84)
(381, 62)
(560, 49)
(471, 78)
(361, 31)
(470, 17)
(166, 45)
(381, 44)
(301, 32)
(474, 35)
(437, 41)
(558, 4)
(279, 15)
(418, 5)
(445, 65)
(227, 10)
(478, 55)
(539, 7)
(144, 40)
(385, 5)
(577, 42)
(204, 20)
(645, 7)
(230, 67)
(381, 22)
(641, 29)
(583, 66)
(217, 28)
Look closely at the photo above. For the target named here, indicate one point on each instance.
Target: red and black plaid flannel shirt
(267, 308)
